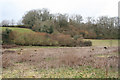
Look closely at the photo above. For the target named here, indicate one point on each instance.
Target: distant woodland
(64, 26)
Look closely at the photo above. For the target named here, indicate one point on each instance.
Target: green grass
(81, 72)
(63, 72)
(96, 42)
(21, 30)
(107, 55)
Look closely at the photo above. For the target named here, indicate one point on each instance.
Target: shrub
(35, 39)
(87, 43)
(80, 42)
(77, 37)
(5, 36)
(63, 40)
(91, 35)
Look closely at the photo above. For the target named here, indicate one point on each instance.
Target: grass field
(97, 42)
(22, 30)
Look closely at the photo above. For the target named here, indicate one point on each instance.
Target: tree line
(42, 20)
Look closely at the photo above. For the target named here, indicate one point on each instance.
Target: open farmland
(38, 42)
(62, 62)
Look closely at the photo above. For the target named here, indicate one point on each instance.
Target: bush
(63, 40)
(5, 36)
(77, 37)
(91, 35)
(87, 43)
(34, 39)
(81, 43)
(67, 40)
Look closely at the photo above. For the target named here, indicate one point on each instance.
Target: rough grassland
(74, 62)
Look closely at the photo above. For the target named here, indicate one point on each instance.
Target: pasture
(61, 62)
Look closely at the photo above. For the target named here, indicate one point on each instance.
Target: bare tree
(12, 22)
(79, 18)
(19, 22)
(5, 22)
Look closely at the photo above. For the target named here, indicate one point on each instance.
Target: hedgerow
(41, 39)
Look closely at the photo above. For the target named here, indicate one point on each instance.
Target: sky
(15, 9)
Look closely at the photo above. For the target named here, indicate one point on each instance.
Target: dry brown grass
(58, 57)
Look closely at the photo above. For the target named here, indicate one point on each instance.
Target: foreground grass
(24, 70)
(63, 72)
(97, 42)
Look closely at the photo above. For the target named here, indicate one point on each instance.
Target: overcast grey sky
(15, 9)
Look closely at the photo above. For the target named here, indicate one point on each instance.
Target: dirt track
(57, 57)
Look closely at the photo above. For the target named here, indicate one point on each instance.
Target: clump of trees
(39, 20)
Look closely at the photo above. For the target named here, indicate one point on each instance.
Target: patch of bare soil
(58, 57)
(7, 46)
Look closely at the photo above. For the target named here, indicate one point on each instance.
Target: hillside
(21, 30)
